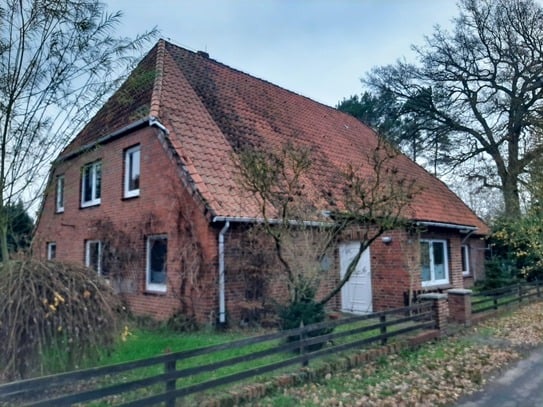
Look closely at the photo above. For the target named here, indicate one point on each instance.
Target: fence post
(383, 328)
(460, 305)
(538, 287)
(441, 310)
(303, 336)
(169, 367)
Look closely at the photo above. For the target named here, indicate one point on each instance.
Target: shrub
(181, 322)
(52, 316)
(307, 311)
(499, 272)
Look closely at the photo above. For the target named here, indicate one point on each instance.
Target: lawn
(145, 342)
(141, 343)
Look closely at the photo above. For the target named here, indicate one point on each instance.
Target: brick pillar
(441, 310)
(460, 305)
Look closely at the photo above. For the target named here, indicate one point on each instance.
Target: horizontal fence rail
(500, 297)
(176, 374)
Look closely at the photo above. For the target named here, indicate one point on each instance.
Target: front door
(356, 293)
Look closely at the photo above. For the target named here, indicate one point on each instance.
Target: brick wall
(477, 250)
(395, 267)
(257, 281)
(165, 206)
(160, 209)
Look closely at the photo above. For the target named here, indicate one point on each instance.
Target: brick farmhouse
(147, 195)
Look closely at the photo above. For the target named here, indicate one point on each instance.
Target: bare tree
(374, 199)
(59, 59)
(481, 85)
(410, 250)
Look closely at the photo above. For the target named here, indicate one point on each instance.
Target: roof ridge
(222, 64)
(156, 96)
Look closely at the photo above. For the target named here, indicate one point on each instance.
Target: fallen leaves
(436, 374)
(524, 327)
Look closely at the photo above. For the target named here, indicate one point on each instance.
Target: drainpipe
(153, 121)
(464, 240)
(222, 302)
(468, 235)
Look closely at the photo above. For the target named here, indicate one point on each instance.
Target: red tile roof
(211, 110)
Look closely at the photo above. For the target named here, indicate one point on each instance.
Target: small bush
(53, 315)
(180, 322)
(307, 311)
(499, 272)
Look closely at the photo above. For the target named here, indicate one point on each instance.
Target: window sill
(441, 286)
(129, 197)
(58, 212)
(89, 205)
(155, 293)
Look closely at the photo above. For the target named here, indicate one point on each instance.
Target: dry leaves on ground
(434, 375)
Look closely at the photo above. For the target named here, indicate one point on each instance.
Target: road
(519, 386)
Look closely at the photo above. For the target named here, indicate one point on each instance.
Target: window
(91, 181)
(465, 260)
(434, 262)
(60, 194)
(132, 172)
(51, 251)
(157, 254)
(93, 255)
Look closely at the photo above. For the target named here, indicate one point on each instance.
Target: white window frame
(88, 244)
(59, 198)
(151, 286)
(465, 252)
(129, 155)
(433, 281)
(93, 173)
(51, 250)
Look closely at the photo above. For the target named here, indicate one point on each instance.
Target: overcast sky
(318, 48)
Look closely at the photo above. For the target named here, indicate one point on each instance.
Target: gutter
(149, 121)
(461, 228)
(154, 122)
(243, 219)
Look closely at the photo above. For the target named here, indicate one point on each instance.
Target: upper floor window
(465, 260)
(51, 251)
(132, 172)
(93, 255)
(434, 262)
(91, 181)
(59, 205)
(157, 255)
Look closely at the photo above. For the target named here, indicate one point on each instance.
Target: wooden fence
(494, 299)
(169, 377)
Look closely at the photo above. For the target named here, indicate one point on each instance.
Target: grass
(501, 297)
(144, 342)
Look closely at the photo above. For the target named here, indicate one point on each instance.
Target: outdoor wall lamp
(386, 239)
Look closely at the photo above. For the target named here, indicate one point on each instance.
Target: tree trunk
(4, 252)
(511, 197)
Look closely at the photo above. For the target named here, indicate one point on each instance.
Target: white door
(356, 293)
